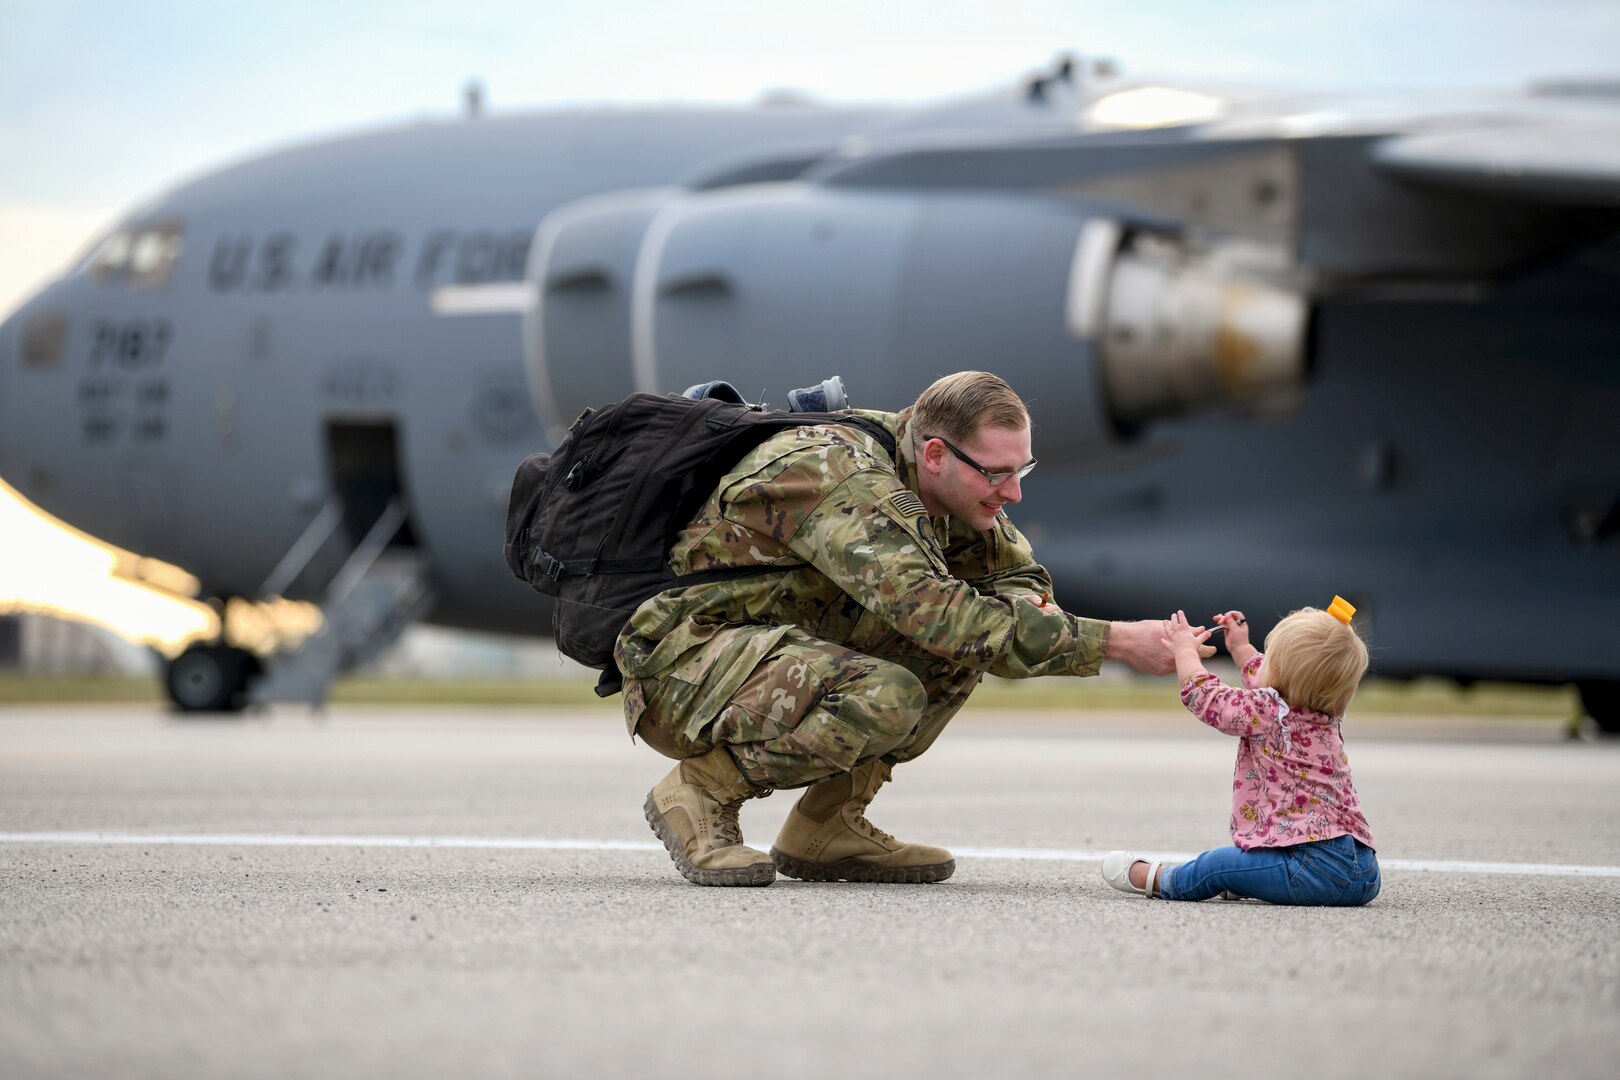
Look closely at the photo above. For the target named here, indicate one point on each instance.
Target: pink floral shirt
(1292, 782)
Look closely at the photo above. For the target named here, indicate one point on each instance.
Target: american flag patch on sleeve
(907, 504)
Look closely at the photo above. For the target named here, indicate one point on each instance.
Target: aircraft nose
(8, 331)
(10, 363)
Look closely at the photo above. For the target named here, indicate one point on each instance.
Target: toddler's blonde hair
(1315, 661)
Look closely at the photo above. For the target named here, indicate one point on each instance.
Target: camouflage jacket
(863, 565)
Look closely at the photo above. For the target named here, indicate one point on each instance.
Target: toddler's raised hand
(1236, 625)
(1181, 636)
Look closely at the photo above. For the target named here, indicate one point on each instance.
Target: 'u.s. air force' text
(282, 261)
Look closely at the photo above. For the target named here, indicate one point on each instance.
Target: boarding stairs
(377, 594)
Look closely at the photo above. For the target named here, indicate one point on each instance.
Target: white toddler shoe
(1116, 870)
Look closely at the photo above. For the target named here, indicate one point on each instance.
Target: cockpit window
(110, 256)
(152, 255)
(142, 258)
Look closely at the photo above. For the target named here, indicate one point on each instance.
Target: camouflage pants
(812, 709)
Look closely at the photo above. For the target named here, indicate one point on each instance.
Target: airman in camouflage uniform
(886, 590)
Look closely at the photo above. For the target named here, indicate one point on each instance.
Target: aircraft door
(364, 465)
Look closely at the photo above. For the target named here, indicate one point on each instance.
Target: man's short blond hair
(1315, 661)
(959, 406)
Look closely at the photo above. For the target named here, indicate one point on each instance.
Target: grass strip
(1435, 697)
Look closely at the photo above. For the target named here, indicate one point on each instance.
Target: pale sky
(105, 103)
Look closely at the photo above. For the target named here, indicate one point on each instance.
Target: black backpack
(592, 523)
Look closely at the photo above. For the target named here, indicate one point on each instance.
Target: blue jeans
(1342, 872)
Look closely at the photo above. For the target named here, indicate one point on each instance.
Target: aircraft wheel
(1602, 701)
(210, 678)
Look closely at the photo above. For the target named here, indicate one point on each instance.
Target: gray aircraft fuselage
(1265, 365)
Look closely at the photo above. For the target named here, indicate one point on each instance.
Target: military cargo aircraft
(1276, 348)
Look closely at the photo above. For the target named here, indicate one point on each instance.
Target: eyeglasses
(996, 478)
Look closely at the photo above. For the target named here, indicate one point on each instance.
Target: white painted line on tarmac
(519, 843)
(294, 840)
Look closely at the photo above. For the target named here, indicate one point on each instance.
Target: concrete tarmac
(413, 892)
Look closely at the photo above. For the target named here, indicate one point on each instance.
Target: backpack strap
(557, 569)
(877, 431)
(781, 422)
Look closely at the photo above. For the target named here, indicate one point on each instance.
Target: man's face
(950, 486)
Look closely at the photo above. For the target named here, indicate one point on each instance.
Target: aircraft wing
(1574, 162)
(1015, 163)
(1569, 162)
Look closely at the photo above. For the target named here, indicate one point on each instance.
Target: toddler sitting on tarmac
(1297, 826)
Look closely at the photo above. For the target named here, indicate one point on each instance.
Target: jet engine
(576, 329)
(1102, 324)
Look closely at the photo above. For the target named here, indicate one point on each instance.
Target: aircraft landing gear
(1602, 702)
(211, 678)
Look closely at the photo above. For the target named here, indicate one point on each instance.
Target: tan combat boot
(827, 838)
(694, 812)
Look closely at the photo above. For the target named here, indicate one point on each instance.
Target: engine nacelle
(576, 331)
(777, 285)
(782, 284)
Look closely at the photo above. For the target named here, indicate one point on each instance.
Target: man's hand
(1140, 645)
